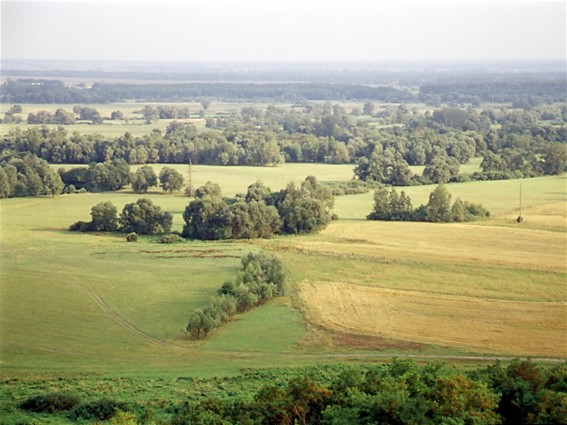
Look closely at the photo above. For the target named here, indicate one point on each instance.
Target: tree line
(54, 91)
(260, 278)
(315, 133)
(389, 206)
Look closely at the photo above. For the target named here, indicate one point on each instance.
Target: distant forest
(522, 89)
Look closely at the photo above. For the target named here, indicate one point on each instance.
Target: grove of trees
(141, 217)
(389, 206)
(260, 213)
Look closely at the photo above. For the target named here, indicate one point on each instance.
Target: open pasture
(93, 302)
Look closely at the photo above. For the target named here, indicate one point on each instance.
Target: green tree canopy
(170, 179)
(143, 178)
(143, 217)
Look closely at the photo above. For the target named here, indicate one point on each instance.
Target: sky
(283, 31)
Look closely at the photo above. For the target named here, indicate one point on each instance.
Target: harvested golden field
(475, 324)
(494, 287)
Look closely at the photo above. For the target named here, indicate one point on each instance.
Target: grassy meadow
(103, 313)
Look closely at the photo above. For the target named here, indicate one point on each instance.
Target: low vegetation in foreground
(398, 392)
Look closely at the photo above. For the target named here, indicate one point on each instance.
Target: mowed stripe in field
(490, 326)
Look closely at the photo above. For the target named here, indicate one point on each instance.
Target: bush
(102, 410)
(171, 238)
(81, 226)
(131, 237)
(50, 403)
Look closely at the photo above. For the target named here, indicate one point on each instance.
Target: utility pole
(520, 218)
(189, 191)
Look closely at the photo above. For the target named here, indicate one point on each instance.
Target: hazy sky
(291, 30)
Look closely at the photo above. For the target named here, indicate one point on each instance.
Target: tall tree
(170, 179)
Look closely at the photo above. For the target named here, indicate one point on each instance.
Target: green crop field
(102, 312)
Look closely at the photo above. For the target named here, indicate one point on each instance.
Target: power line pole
(520, 218)
(189, 191)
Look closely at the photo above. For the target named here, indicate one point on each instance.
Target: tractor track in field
(123, 322)
(339, 356)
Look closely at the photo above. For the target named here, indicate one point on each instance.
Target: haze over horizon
(255, 31)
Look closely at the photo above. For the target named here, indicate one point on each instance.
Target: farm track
(339, 356)
(121, 321)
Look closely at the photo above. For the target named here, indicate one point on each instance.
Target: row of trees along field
(390, 206)
(259, 214)
(260, 278)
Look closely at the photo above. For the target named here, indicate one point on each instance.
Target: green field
(134, 122)
(88, 306)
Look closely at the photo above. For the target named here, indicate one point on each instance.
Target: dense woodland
(380, 143)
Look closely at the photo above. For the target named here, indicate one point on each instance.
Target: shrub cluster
(50, 403)
(103, 409)
(390, 206)
(260, 279)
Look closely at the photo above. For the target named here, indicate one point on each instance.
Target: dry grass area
(489, 326)
(495, 287)
(455, 243)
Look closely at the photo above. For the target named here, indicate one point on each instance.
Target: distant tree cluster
(97, 177)
(389, 206)
(28, 175)
(261, 278)
(141, 217)
(260, 213)
(115, 175)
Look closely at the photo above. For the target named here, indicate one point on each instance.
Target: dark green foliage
(144, 218)
(398, 393)
(101, 410)
(171, 238)
(207, 218)
(170, 180)
(353, 187)
(260, 214)
(390, 206)
(50, 403)
(438, 209)
(384, 166)
(131, 237)
(261, 278)
(305, 209)
(28, 175)
(104, 217)
(143, 179)
(529, 393)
